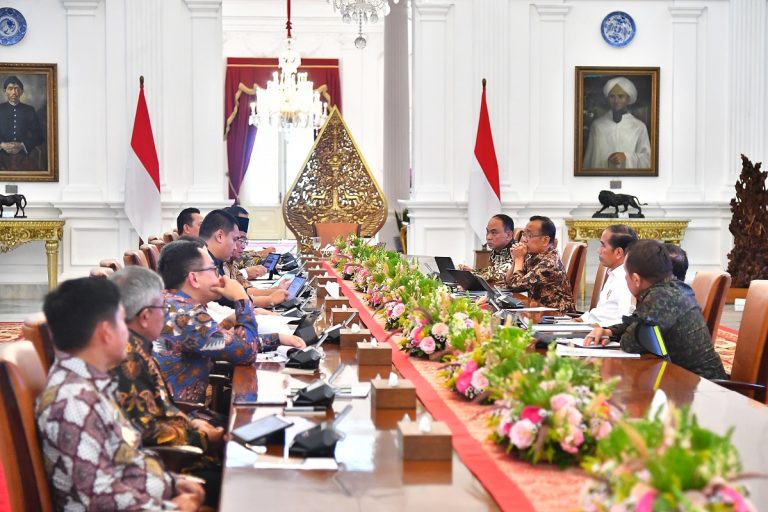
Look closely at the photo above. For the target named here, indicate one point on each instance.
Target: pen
(306, 408)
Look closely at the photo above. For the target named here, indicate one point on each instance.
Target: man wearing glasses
(191, 340)
(537, 268)
(260, 298)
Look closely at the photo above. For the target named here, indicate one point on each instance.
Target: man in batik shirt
(537, 268)
(499, 237)
(92, 454)
(191, 340)
(261, 298)
(141, 388)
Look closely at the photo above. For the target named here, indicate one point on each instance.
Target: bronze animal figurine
(14, 200)
(610, 199)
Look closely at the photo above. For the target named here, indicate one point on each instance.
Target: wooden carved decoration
(748, 259)
(334, 185)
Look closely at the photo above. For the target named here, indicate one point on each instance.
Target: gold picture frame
(28, 122)
(603, 146)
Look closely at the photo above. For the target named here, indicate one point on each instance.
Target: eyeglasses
(531, 235)
(162, 306)
(205, 269)
(242, 241)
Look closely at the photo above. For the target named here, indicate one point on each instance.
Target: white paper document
(218, 312)
(333, 289)
(562, 328)
(270, 324)
(579, 342)
(563, 350)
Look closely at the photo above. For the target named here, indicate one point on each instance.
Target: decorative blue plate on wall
(13, 26)
(618, 29)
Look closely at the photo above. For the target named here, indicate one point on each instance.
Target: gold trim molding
(666, 230)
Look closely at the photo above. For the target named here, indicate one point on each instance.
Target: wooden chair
(600, 275)
(170, 236)
(568, 252)
(574, 270)
(482, 258)
(329, 231)
(158, 243)
(711, 289)
(517, 234)
(151, 238)
(35, 329)
(151, 254)
(135, 258)
(111, 263)
(749, 373)
(101, 272)
(22, 379)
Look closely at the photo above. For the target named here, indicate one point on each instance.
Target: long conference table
(372, 475)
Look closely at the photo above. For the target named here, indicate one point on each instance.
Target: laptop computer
(471, 282)
(444, 265)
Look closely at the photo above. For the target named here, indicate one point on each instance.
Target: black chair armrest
(739, 386)
(188, 407)
(179, 457)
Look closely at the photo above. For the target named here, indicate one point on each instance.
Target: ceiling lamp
(289, 101)
(361, 11)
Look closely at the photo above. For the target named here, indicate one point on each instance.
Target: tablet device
(270, 262)
(295, 287)
(268, 430)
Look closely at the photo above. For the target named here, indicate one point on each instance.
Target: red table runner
(513, 484)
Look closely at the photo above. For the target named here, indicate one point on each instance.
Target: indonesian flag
(484, 192)
(142, 175)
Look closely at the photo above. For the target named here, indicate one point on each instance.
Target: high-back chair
(152, 255)
(568, 252)
(170, 236)
(135, 258)
(21, 380)
(329, 231)
(101, 272)
(749, 373)
(35, 329)
(111, 263)
(600, 275)
(575, 267)
(158, 243)
(711, 289)
(517, 234)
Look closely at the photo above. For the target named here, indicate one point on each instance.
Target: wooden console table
(15, 232)
(584, 230)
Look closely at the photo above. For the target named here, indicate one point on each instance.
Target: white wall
(528, 51)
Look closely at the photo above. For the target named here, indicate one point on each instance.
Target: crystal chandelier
(361, 11)
(289, 101)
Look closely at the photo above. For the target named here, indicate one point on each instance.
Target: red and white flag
(484, 192)
(142, 175)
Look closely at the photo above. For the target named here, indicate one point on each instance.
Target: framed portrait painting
(616, 121)
(28, 130)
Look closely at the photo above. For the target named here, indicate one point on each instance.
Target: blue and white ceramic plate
(13, 26)
(618, 29)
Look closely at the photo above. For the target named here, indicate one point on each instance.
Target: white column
(433, 95)
(207, 82)
(84, 74)
(685, 88)
(397, 156)
(748, 107)
(548, 163)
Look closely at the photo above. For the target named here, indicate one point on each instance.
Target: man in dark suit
(20, 131)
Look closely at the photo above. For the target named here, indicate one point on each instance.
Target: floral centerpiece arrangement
(666, 462)
(439, 320)
(467, 373)
(551, 408)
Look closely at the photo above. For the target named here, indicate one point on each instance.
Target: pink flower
(573, 416)
(460, 316)
(504, 427)
(463, 382)
(398, 310)
(416, 333)
(469, 323)
(471, 366)
(561, 400)
(522, 434)
(601, 428)
(427, 345)
(572, 441)
(645, 503)
(731, 495)
(479, 380)
(440, 329)
(532, 413)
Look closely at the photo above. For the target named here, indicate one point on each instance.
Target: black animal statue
(17, 200)
(610, 199)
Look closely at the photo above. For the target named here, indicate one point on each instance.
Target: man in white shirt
(615, 297)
